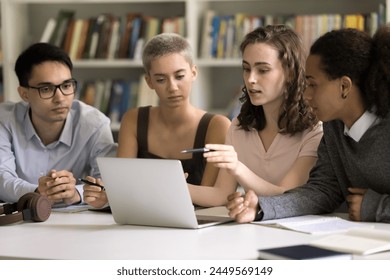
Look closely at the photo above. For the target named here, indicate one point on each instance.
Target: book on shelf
(125, 101)
(371, 22)
(107, 89)
(112, 97)
(362, 241)
(88, 93)
(75, 38)
(238, 33)
(68, 36)
(114, 105)
(314, 224)
(113, 40)
(302, 252)
(173, 25)
(88, 40)
(104, 36)
(125, 38)
(181, 26)
(168, 25)
(99, 91)
(120, 99)
(207, 34)
(136, 40)
(221, 41)
(354, 21)
(215, 23)
(48, 30)
(138, 49)
(268, 19)
(95, 34)
(382, 14)
(308, 30)
(229, 40)
(83, 38)
(126, 98)
(152, 27)
(62, 21)
(129, 97)
(94, 93)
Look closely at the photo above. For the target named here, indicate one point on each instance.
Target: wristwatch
(259, 213)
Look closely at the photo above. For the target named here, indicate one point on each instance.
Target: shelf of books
(109, 41)
(107, 35)
(223, 23)
(223, 33)
(105, 40)
(223, 28)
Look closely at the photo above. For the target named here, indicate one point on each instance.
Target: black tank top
(194, 166)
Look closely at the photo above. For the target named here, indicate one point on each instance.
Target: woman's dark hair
(295, 114)
(377, 84)
(362, 58)
(39, 53)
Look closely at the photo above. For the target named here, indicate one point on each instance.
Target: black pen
(91, 183)
(197, 150)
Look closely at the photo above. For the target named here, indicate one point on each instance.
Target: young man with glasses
(49, 139)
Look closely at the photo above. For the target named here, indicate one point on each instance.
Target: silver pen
(197, 150)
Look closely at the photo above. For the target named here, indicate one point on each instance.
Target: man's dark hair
(36, 54)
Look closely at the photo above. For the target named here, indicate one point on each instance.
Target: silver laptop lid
(147, 192)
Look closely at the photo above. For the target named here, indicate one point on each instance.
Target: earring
(344, 96)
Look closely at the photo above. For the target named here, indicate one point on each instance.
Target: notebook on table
(302, 252)
(151, 192)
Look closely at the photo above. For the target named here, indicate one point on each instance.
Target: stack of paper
(363, 241)
(314, 224)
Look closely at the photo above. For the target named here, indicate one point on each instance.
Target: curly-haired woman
(272, 145)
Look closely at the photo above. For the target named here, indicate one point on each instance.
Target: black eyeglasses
(47, 91)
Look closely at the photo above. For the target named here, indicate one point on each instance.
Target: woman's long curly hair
(295, 113)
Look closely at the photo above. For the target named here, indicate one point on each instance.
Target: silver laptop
(151, 192)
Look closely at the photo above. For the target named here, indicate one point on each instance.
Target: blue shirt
(24, 158)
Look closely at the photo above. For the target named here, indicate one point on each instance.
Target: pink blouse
(272, 165)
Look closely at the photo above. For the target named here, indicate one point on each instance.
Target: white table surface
(92, 235)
